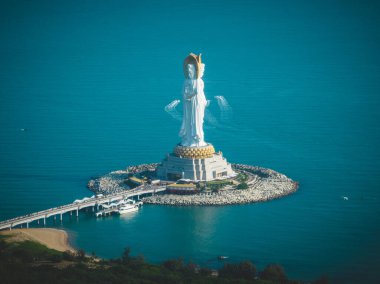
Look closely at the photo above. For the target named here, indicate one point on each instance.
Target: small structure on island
(182, 187)
(193, 158)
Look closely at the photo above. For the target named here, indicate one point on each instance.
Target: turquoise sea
(89, 80)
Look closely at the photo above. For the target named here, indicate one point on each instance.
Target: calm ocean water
(89, 82)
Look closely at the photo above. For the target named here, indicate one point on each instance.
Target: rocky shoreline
(263, 185)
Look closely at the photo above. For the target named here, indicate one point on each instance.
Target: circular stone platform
(263, 185)
(194, 152)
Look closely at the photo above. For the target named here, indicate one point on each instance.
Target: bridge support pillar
(45, 221)
(27, 225)
(61, 217)
(77, 212)
(93, 208)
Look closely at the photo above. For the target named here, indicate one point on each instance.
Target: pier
(76, 206)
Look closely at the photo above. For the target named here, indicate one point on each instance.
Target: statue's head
(190, 70)
(194, 61)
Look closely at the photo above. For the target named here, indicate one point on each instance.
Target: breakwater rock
(116, 181)
(261, 185)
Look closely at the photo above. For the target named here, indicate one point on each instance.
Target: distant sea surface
(88, 82)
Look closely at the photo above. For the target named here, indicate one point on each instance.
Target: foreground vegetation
(30, 262)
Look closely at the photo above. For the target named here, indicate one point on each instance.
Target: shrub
(81, 254)
(68, 255)
(174, 264)
(125, 258)
(273, 272)
(242, 185)
(244, 269)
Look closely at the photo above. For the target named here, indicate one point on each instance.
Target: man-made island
(194, 173)
(250, 184)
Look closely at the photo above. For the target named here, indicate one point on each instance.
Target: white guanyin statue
(194, 103)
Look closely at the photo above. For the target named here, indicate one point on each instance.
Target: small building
(182, 188)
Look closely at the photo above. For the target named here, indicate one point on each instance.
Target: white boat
(222, 257)
(130, 206)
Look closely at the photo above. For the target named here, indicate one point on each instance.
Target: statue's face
(190, 68)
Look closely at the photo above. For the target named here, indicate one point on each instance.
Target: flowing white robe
(194, 104)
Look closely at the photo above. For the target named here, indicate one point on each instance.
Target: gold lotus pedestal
(194, 152)
(194, 163)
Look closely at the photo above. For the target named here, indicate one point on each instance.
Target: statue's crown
(194, 59)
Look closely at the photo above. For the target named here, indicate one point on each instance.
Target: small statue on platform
(194, 103)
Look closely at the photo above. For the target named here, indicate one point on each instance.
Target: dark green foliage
(191, 268)
(126, 255)
(28, 251)
(81, 254)
(205, 271)
(242, 185)
(242, 177)
(68, 255)
(217, 184)
(29, 262)
(174, 264)
(244, 269)
(273, 272)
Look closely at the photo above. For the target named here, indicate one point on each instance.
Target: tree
(68, 255)
(242, 185)
(174, 264)
(125, 258)
(244, 269)
(247, 269)
(192, 267)
(273, 272)
(81, 254)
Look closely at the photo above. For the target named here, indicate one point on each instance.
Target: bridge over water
(76, 206)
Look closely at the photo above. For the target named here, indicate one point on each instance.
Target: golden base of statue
(194, 152)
